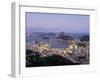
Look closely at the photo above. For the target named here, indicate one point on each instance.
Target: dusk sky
(45, 22)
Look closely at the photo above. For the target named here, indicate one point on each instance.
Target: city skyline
(46, 22)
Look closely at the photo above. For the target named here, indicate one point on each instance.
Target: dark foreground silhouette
(33, 59)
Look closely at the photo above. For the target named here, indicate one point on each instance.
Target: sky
(46, 22)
